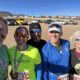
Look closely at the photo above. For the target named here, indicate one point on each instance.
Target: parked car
(22, 21)
(48, 21)
(11, 21)
(72, 22)
(60, 22)
(35, 21)
(40, 21)
(25, 23)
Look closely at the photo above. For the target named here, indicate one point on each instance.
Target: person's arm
(38, 72)
(38, 65)
(45, 64)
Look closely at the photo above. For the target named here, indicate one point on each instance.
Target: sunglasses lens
(77, 39)
(54, 32)
(21, 35)
(51, 31)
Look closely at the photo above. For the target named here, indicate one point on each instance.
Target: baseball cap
(35, 27)
(55, 27)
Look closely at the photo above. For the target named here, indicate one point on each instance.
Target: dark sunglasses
(2, 36)
(35, 31)
(21, 35)
(77, 39)
(53, 32)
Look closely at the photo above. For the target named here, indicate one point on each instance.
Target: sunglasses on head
(2, 36)
(77, 39)
(21, 35)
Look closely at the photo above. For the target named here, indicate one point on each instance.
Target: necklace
(16, 64)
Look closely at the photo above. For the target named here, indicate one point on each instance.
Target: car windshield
(10, 19)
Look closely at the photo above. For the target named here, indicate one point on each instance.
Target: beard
(36, 39)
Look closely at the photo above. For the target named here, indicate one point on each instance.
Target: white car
(60, 22)
(35, 21)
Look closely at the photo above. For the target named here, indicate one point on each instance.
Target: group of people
(35, 59)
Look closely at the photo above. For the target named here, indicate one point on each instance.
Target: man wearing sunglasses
(23, 57)
(56, 55)
(4, 61)
(35, 34)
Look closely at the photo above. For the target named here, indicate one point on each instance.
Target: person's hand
(26, 76)
(11, 74)
(60, 78)
(63, 78)
(76, 77)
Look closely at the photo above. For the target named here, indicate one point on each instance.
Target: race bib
(15, 75)
(63, 77)
(23, 76)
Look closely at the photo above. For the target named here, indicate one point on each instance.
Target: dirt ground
(68, 30)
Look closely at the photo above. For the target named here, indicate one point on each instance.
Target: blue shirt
(55, 62)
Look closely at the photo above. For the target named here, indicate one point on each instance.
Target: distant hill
(4, 14)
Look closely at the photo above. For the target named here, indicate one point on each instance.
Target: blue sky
(42, 7)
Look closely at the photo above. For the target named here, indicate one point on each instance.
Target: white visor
(55, 29)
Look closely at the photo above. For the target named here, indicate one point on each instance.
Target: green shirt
(59, 47)
(4, 61)
(30, 58)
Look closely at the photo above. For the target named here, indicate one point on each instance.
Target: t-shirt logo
(25, 60)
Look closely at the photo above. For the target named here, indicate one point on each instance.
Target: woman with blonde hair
(75, 56)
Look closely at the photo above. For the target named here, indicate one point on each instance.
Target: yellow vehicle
(20, 21)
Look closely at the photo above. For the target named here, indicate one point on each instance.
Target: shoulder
(72, 51)
(32, 48)
(4, 46)
(29, 40)
(46, 46)
(11, 48)
(43, 40)
(33, 51)
(65, 42)
(42, 43)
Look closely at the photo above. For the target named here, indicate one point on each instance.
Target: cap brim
(36, 30)
(55, 29)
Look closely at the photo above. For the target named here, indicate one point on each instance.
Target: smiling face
(55, 32)
(21, 36)
(54, 37)
(35, 32)
(35, 36)
(3, 30)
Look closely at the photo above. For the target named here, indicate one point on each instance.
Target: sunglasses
(77, 39)
(53, 32)
(21, 35)
(35, 30)
(2, 36)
